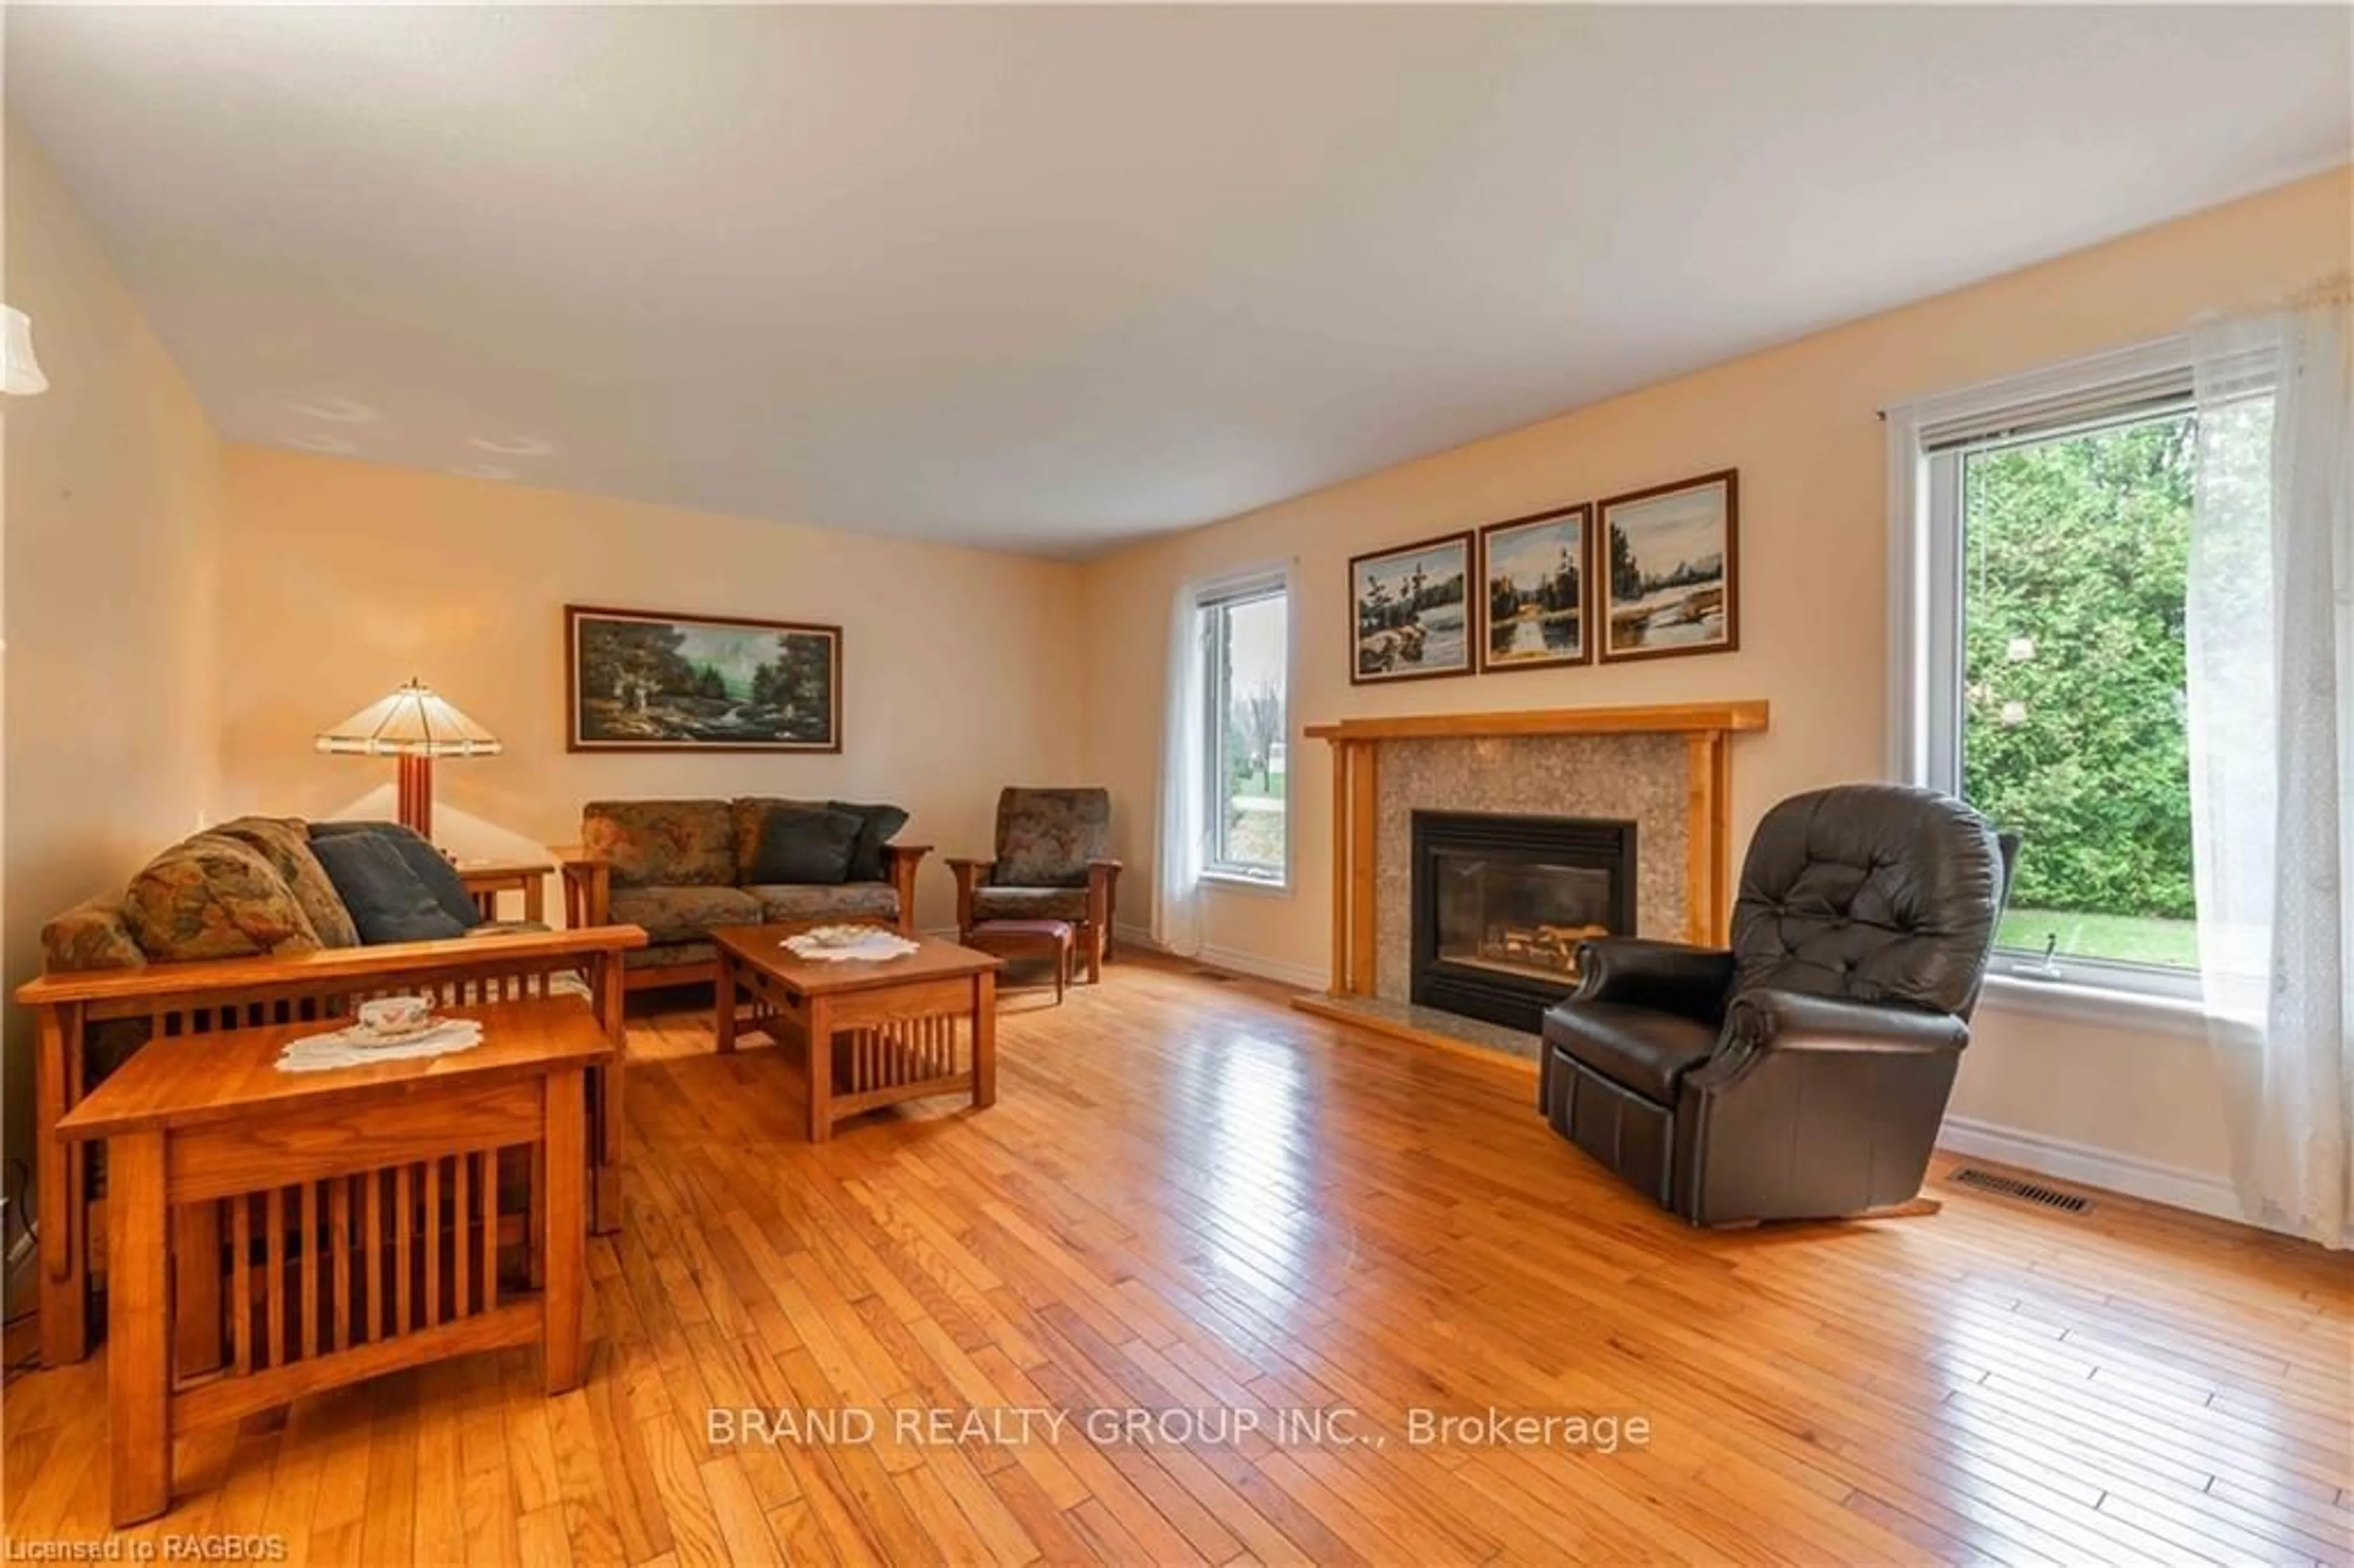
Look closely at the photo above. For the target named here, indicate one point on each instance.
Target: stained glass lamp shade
(415, 726)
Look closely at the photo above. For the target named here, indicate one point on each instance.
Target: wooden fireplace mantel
(1672, 718)
(1707, 729)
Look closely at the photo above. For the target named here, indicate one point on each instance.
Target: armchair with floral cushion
(1052, 862)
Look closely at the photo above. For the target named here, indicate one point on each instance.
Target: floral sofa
(679, 868)
(253, 887)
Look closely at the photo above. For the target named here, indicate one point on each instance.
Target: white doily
(874, 945)
(354, 1047)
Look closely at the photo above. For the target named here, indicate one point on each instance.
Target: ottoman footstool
(1027, 938)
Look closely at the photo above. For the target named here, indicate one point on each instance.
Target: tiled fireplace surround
(1630, 777)
(1666, 769)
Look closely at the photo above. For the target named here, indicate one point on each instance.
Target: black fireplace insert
(1501, 904)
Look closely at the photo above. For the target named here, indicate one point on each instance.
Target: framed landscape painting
(1412, 608)
(638, 681)
(1670, 570)
(1535, 570)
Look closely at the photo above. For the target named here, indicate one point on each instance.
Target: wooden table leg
(138, 1330)
(723, 1003)
(563, 1135)
(984, 1038)
(59, 1183)
(609, 1141)
(821, 1069)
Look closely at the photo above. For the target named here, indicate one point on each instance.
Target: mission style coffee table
(876, 1031)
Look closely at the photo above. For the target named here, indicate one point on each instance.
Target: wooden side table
(270, 1234)
(486, 879)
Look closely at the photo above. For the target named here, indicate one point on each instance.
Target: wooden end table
(486, 879)
(361, 1211)
(877, 1032)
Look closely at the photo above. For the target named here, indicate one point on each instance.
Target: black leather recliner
(1803, 1072)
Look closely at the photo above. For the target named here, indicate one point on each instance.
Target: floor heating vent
(1217, 977)
(2025, 1192)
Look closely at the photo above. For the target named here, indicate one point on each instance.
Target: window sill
(2135, 1011)
(1277, 887)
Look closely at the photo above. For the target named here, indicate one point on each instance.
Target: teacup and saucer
(392, 1019)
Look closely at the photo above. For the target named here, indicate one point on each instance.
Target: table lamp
(415, 726)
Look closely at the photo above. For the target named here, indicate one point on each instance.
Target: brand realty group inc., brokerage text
(1019, 1425)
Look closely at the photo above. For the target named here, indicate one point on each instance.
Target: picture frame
(1412, 615)
(1668, 569)
(1536, 602)
(649, 681)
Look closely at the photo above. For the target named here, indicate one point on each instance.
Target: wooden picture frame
(647, 680)
(1656, 596)
(1534, 551)
(1392, 640)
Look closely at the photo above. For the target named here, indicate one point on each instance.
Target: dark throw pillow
(807, 848)
(387, 900)
(431, 867)
(877, 825)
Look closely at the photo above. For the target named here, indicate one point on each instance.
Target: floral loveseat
(679, 868)
(249, 888)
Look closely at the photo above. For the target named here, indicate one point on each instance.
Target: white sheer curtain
(2271, 654)
(1179, 847)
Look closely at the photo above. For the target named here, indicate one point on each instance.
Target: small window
(1245, 644)
(2047, 538)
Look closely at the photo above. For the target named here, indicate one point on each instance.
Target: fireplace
(1501, 904)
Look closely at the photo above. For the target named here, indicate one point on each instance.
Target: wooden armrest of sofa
(587, 884)
(327, 970)
(900, 864)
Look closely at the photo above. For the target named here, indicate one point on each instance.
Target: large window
(2050, 528)
(1246, 647)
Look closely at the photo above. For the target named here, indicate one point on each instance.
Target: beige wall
(348, 578)
(114, 506)
(1799, 423)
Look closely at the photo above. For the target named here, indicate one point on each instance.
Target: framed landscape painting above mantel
(1411, 611)
(1535, 571)
(642, 681)
(1670, 569)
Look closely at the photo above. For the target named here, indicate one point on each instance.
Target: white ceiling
(1054, 279)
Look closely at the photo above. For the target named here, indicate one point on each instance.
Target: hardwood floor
(1190, 1198)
